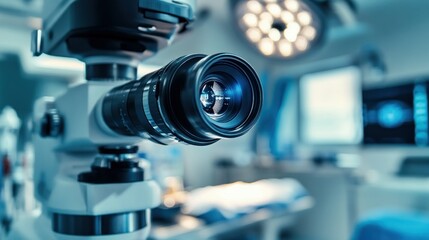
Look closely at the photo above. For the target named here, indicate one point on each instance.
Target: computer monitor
(331, 106)
(396, 115)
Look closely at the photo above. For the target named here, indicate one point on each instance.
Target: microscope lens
(195, 99)
(215, 98)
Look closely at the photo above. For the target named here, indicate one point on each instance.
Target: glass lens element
(214, 98)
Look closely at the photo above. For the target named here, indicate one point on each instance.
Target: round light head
(280, 28)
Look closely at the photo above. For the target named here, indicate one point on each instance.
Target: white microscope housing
(88, 175)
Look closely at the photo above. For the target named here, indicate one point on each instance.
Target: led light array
(284, 28)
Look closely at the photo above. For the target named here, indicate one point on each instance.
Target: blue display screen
(396, 115)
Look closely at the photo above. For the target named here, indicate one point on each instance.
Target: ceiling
(398, 28)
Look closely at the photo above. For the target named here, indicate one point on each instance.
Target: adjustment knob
(51, 124)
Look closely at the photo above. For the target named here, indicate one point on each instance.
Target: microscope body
(77, 209)
(90, 181)
(88, 176)
(73, 152)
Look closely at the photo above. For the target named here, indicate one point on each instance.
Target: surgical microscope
(87, 174)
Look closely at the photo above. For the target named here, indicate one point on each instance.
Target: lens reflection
(214, 98)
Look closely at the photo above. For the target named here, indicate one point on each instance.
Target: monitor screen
(396, 115)
(330, 106)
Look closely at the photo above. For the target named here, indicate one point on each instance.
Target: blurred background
(340, 152)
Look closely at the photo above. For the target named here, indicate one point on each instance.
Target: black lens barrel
(165, 105)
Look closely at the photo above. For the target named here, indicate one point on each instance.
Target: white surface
(78, 106)
(271, 223)
(9, 130)
(406, 185)
(238, 198)
(393, 194)
(331, 106)
(72, 197)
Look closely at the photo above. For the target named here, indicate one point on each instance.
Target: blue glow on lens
(236, 92)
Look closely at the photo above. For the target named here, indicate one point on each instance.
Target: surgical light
(280, 28)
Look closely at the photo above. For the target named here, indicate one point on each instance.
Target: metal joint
(36, 42)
